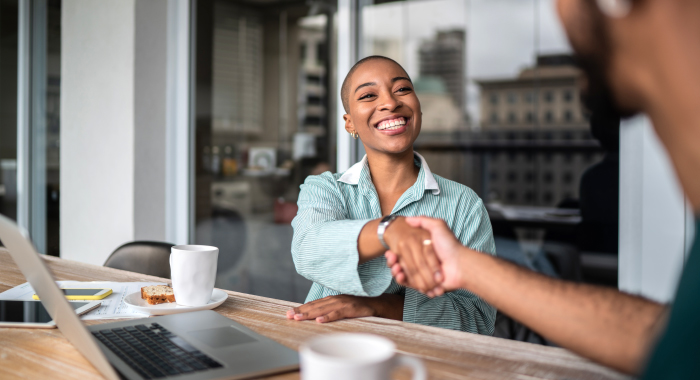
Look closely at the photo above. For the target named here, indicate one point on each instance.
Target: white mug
(354, 356)
(193, 271)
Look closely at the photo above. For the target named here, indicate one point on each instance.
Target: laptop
(195, 345)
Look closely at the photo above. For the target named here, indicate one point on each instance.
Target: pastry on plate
(155, 294)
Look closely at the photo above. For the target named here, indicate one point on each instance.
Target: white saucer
(136, 303)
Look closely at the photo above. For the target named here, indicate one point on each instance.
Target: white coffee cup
(193, 271)
(354, 356)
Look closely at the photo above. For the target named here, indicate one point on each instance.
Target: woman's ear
(349, 127)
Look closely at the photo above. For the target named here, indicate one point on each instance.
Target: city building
(312, 112)
(388, 47)
(444, 57)
(539, 106)
(237, 75)
(441, 116)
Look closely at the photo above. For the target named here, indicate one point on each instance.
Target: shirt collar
(352, 175)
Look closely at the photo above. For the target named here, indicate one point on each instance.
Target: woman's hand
(443, 244)
(333, 308)
(412, 249)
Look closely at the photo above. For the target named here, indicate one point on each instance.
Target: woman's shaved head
(345, 89)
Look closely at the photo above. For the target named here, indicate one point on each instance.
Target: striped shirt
(333, 208)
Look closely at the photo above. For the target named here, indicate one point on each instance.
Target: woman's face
(384, 109)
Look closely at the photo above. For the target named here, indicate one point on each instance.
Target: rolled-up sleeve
(324, 247)
(460, 309)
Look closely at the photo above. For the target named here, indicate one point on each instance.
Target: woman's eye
(366, 96)
(404, 89)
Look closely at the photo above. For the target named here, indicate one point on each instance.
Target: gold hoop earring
(354, 135)
(615, 8)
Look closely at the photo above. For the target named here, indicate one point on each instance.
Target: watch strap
(383, 225)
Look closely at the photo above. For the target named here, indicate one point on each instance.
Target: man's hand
(417, 259)
(603, 324)
(334, 308)
(443, 244)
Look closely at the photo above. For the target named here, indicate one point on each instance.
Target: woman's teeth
(392, 124)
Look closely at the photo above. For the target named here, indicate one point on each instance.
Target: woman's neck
(392, 173)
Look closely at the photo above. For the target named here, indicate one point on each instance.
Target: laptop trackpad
(221, 337)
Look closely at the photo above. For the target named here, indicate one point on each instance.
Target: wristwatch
(383, 224)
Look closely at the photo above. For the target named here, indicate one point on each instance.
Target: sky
(503, 36)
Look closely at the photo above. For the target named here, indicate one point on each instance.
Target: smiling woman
(347, 221)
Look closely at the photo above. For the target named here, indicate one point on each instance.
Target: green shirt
(333, 208)
(677, 355)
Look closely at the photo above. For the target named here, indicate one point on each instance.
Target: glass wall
(8, 108)
(52, 128)
(499, 92)
(42, 107)
(265, 101)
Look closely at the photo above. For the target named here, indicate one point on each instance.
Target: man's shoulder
(676, 354)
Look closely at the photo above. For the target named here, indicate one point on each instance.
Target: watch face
(388, 218)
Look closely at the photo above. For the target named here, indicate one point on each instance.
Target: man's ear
(349, 127)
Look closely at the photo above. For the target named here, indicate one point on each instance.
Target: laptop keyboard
(155, 352)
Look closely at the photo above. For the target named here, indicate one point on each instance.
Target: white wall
(112, 125)
(654, 220)
(97, 128)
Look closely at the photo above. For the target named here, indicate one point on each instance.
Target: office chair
(146, 257)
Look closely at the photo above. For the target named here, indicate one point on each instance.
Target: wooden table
(46, 354)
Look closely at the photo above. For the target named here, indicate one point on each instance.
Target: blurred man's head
(643, 56)
(613, 42)
(587, 31)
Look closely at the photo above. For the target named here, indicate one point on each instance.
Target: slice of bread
(156, 294)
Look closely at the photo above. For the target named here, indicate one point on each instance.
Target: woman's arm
(324, 246)
(338, 253)
(343, 306)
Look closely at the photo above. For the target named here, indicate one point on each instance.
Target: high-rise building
(312, 91)
(444, 57)
(237, 75)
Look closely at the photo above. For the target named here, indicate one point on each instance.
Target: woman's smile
(391, 122)
(392, 125)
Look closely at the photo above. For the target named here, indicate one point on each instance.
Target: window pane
(502, 73)
(8, 108)
(264, 123)
(44, 129)
(53, 127)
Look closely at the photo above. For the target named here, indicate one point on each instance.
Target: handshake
(424, 254)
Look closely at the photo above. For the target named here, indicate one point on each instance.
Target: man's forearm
(603, 324)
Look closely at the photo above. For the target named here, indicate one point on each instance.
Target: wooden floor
(46, 354)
